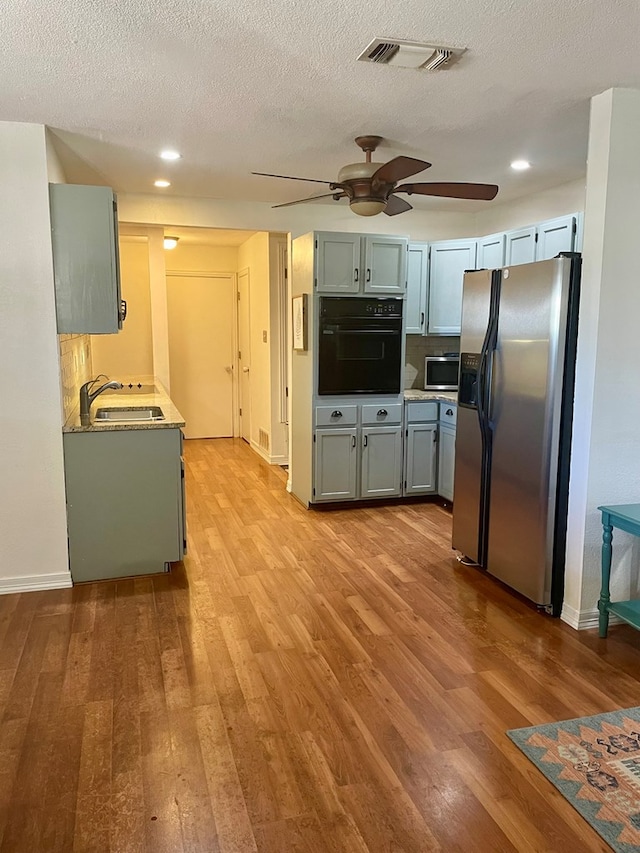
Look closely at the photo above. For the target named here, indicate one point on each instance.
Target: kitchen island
(125, 489)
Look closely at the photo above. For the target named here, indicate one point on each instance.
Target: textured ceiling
(273, 87)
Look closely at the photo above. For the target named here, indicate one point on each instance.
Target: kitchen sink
(129, 413)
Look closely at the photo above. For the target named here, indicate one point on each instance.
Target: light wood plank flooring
(306, 681)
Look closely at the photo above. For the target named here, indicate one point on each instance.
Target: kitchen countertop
(126, 398)
(443, 396)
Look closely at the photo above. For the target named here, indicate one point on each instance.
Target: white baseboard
(33, 583)
(581, 620)
(272, 460)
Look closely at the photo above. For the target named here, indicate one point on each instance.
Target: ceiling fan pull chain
(368, 275)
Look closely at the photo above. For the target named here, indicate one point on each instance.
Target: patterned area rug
(595, 763)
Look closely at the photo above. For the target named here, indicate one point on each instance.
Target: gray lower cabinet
(381, 462)
(125, 502)
(84, 235)
(358, 462)
(446, 461)
(336, 467)
(420, 474)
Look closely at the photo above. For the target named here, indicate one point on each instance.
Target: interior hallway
(308, 681)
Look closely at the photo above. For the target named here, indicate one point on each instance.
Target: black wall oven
(360, 345)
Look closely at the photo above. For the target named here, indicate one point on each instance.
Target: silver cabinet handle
(366, 440)
(355, 275)
(353, 441)
(382, 413)
(336, 413)
(449, 412)
(368, 275)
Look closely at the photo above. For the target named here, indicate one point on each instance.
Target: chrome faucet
(87, 396)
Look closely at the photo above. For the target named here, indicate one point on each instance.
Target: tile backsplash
(75, 369)
(417, 348)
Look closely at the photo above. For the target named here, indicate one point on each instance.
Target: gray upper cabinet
(447, 266)
(84, 229)
(354, 263)
(554, 236)
(521, 246)
(385, 264)
(417, 268)
(491, 252)
(338, 263)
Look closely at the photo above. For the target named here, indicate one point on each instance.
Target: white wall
(129, 354)
(605, 464)
(33, 527)
(254, 216)
(558, 201)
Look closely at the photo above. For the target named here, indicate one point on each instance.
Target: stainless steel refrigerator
(513, 438)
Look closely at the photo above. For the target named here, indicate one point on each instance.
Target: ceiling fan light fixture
(367, 206)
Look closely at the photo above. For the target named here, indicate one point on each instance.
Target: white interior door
(201, 326)
(244, 355)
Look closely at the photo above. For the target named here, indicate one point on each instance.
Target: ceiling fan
(371, 187)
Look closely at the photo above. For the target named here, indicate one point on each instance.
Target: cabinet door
(381, 462)
(417, 264)
(420, 464)
(446, 461)
(84, 236)
(338, 263)
(335, 464)
(385, 264)
(521, 246)
(491, 252)
(447, 264)
(123, 502)
(554, 236)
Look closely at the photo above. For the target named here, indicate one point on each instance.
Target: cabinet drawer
(421, 411)
(382, 414)
(336, 415)
(448, 413)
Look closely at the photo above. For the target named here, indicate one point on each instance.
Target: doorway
(201, 321)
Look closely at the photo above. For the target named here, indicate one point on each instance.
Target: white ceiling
(276, 87)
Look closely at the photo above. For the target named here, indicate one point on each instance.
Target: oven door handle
(393, 332)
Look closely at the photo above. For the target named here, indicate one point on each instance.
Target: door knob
(245, 369)
(229, 368)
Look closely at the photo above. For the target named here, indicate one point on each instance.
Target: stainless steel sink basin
(129, 413)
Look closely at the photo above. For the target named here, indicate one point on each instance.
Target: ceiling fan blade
(477, 192)
(311, 198)
(398, 169)
(396, 205)
(290, 178)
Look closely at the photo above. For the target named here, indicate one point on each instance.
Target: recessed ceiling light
(170, 242)
(161, 184)
(169, 154)
(520, 165)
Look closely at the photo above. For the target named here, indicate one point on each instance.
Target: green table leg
(605, 597)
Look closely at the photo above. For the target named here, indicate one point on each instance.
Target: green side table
(624, 517)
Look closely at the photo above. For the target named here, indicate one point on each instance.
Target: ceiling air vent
(411, 54)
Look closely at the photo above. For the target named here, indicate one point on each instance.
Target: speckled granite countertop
(157, 397)
(443, 396)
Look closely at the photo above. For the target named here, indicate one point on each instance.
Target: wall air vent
(411, 54)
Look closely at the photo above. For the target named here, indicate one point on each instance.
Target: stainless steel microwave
(441, 372)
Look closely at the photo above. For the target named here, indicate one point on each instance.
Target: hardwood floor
(307, 681)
